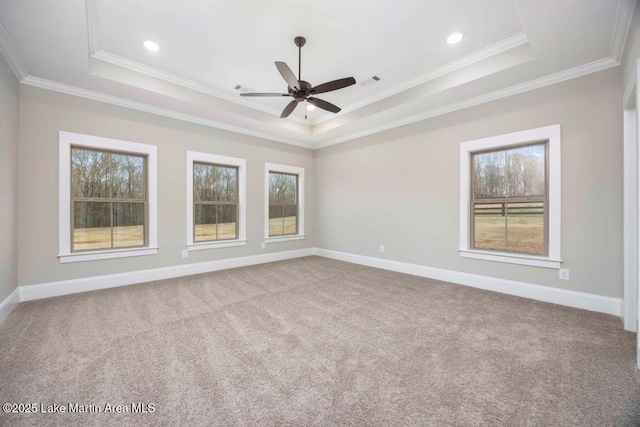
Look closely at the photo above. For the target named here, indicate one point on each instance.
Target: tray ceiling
(94, 49)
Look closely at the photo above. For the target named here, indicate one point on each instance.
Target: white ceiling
(94, 49)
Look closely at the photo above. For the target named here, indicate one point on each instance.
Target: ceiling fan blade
(288, 75)
(289, 109)
(264, 94)
(323, 104)
(333, 85)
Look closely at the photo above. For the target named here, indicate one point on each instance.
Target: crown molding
(559, 77)
(480, 55)
(9, 52)
(92, 25)
(621, 28)
(551, 79)
(122, 102)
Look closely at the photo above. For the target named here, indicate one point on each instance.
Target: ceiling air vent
(243, 89)
(370, 81)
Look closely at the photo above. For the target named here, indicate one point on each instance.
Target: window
(215, 194)
(107, 200)
(284, 200)
(510, 198)
(215, 201)
(283, 204)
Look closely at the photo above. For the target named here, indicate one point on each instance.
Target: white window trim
(67, 140)
(241, 164)
(272, 167)
(550, 133)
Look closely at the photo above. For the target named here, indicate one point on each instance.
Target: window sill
(534, 261)
(284, 238)
(215, 245)
(108, 254)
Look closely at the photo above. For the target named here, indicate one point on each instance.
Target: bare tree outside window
(283, 204)
(509, 206)
(215, 198)
(108, 199)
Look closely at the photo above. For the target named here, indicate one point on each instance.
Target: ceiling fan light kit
(302, 90)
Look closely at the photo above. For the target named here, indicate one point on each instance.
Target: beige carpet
(316, 342)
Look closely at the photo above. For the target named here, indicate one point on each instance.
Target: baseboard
(10, 302)
(564, 297)
(65, 287)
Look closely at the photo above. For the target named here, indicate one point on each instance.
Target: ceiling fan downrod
(299, 41)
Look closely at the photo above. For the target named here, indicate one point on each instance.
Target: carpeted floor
(316, 342)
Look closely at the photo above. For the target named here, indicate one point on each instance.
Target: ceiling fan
(302, 90)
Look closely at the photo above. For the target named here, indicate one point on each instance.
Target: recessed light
(455, 38)
(311, 107)
(151, 45)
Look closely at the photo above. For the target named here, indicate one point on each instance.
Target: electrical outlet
(263, 245)
(185, 253)
(564, 274)
(381, 248)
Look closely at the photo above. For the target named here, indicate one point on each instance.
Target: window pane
(490, 226)
(227, 222)
(290, 189)
(526, 171)
(489, 175)
(276, 193)
(525, 228)
(199, 177)
(226, 188)
(214, 183)
(205, 223)
(91, 225)
(89, 173)
(276, 222)
(127, 177)
(128, 224)
(290, 220)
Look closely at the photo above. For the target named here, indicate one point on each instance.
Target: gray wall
(8, 180)
(401, 188)
(44, 113)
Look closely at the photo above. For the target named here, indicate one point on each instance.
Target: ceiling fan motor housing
(301, 95)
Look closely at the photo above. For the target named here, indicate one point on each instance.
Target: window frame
(551, 134)
(69, 140)
(506, 201)
(217, 160)
(289, 170)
